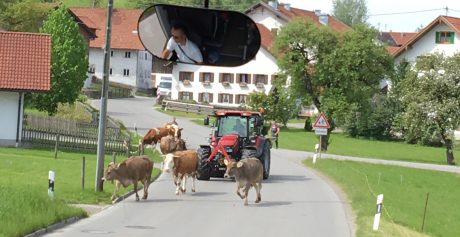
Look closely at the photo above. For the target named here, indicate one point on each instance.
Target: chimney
(273, 4)
(287, 6)
(323, 19)
(317, 12)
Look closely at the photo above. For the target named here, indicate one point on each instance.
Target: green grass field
(404, 192)
(24, 203)
(180, 114)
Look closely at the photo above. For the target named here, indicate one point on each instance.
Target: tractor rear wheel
(204, 168)
(265, 158)
(247, 153)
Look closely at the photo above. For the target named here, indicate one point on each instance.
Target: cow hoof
(177, 192)
(193, 190)
(144, 197)
(183, 190)
(137, 199)
(258, 200)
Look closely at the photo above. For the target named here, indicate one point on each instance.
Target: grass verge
(404, 192)
(182, 114)
(25, 206)
(341, 144)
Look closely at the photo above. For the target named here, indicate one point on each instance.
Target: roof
(89, 29)
(236, 113)
(267, 38)
(391, 49)
(452, 22)
(25, 61)
(124, 26)
(292, 13)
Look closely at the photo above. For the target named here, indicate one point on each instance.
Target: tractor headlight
(228, 149)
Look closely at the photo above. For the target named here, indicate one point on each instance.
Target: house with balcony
(130, 63)
(230, 86)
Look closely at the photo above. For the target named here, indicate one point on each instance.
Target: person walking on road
(275, 131)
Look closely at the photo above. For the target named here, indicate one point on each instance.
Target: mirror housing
(206, 121)
(222, 37)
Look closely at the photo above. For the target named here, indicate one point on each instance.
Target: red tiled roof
(391, 49)
(124, 26)
(401, 38)
(333, 22)
(266, 37)
(453, 22)
(25, 61)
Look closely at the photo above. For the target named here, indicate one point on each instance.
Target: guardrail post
(83, 172)
(56, 146)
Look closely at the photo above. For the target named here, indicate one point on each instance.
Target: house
(25, 67)
(130, 63)
(394, 40)
(230, 86)
(441, 35)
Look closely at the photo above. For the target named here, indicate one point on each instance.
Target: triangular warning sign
(321, 122)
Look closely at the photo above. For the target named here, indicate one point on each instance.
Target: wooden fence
(186, 107)
(70, 134)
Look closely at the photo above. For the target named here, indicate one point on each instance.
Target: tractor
(234, 135)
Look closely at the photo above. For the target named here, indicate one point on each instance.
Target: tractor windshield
(233, 125)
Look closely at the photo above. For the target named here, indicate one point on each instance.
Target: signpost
(320, 126)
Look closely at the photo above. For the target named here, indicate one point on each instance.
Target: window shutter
(212, 77)
(220, 98)
(221, 75)
(192, 76)
(211, 96)
(452, 37)
(265, 79)
(181, 76)
(190, 96)
(180, 95)
(230, 99)
(249, 78)
(232, 78)
(438, 37)
(201, 76)
(200, 97)
(237, 99)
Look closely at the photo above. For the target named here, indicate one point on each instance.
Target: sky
(408, 22)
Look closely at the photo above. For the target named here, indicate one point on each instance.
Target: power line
(409, 12)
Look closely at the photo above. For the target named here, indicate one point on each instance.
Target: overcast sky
(396, 22)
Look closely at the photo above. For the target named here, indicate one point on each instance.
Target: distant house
(441, 35)
(25, 62)
(230, 86)
(394, 40)
(130, 63)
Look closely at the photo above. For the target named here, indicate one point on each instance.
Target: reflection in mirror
(199, 36)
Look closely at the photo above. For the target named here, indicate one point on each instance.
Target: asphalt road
(295, 201)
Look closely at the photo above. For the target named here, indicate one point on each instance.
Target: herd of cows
(182, 163)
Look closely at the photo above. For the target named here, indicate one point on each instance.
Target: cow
(177, 129)
(130, 171)
(154, 135)
(169, 144)
(248, 173)
(182, 164)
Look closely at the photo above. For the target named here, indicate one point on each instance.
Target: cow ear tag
(239, 165)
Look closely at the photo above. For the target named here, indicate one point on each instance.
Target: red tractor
(235, 135)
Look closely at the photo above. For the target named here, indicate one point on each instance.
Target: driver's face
(178, 35)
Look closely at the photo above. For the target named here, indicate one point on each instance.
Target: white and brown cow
(182, 164)
(130, 171)
(169, 144)
(248, 173)
(154, 135)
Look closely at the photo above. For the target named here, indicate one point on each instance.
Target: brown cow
(248, 173)
(182, 164)
(130, 171)
(169, 144)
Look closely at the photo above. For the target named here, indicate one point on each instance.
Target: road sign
(321, 122)
(321, 131)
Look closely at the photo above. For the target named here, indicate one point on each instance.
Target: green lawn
(341, 144)
(180, 114)
(24, 203)
(404, 192)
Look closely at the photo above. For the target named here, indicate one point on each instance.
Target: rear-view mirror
(199, 35)
(206, 121)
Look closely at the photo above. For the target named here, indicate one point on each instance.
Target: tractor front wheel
(204, 169)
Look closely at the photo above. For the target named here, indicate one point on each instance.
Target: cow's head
(168, 162)
(232, 167)
(110, 171)
(175, 131)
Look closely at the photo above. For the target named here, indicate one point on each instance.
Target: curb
(54, 226)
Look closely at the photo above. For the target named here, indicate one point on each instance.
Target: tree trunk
(449, 152)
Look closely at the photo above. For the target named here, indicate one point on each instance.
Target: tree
(350, 12)
(432, 99)
(24, 15)
(69, 61)
(333, 71)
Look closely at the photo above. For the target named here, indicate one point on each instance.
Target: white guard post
(51, 176)
(378, 212)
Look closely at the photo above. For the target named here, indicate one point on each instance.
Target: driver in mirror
(186, 50)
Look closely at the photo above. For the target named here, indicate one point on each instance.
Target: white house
(441, 35)
(25, 67)
(230, 86)
(130, 63)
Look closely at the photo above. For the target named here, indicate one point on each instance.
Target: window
(127, 54)
(244, 78)
(260, 78)
(92, 68)
(110, 71)
(185, 96)
(205, 97)
(207, 77)
(226, 78)
(241, 99)
(185, 76)
(445, 37)
(145, 56)
(111, 53)
(226, 98)
(233, 125)
(125, 72)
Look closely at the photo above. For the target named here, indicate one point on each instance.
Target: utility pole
(104, 94)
